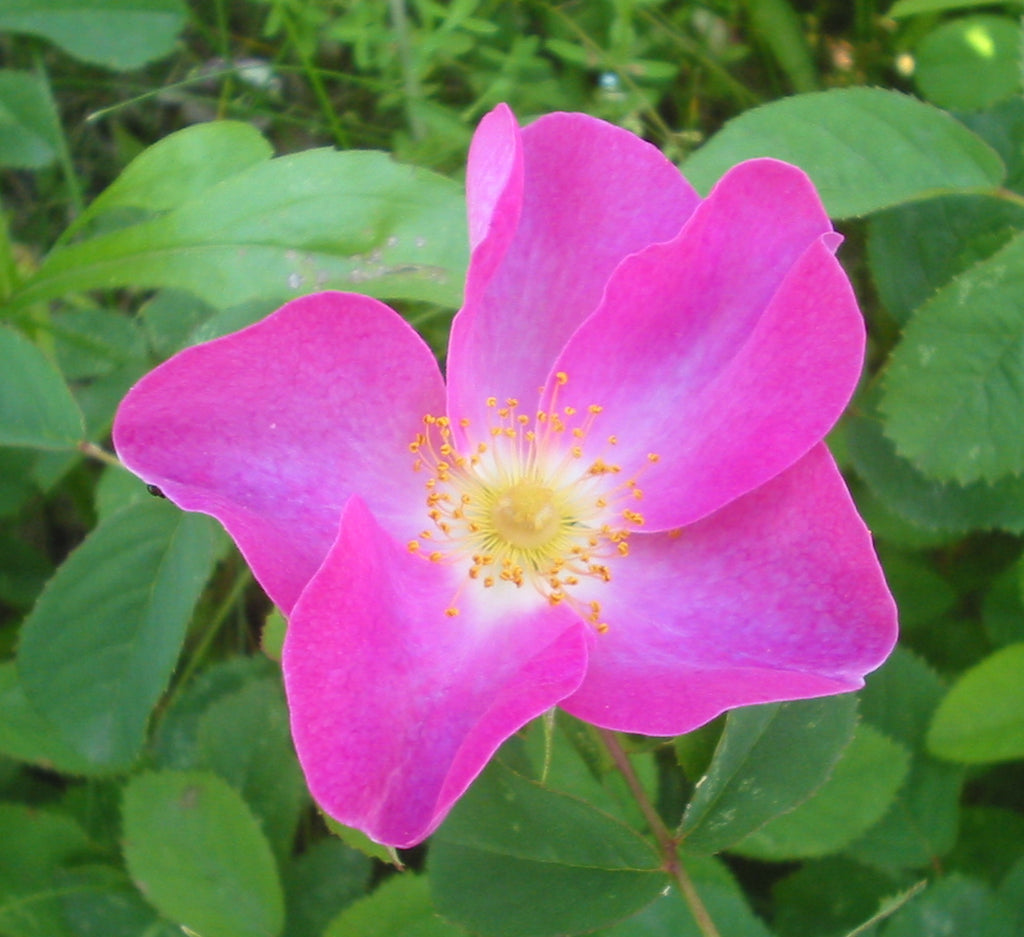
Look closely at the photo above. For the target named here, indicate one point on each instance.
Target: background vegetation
(146, 774)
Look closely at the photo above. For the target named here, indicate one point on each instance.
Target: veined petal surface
(588, 195)
(273, 428)
(729, 351)
(776, 596)
(396, 706)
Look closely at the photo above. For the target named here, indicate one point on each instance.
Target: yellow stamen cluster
(522, 504)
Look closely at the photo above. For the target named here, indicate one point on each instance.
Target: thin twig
(668, 845)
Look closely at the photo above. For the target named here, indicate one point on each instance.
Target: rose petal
(273, 428)
(397, 707)
(589, 195)
(729, 352)
(776, 596)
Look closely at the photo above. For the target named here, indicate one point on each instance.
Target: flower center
(526, 505)
(526, 515)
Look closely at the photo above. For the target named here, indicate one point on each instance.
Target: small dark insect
(155, 492)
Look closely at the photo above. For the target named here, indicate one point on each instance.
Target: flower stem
(92, 451)
(668, 845)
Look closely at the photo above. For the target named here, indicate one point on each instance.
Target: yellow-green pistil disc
(527, 515)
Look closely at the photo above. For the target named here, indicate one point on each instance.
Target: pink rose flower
(621, 504)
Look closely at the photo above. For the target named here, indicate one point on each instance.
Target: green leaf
(91, 343)
(358, 840)
(1002, 608)
(962, 229)
(30, 133)
(109, 626)
(196, 852)
(930, 504)
(921, 826)
(921, 594)
(120, 34)
(1002, 127)
(670, 916)
(969, 63)
(170, 320)
(24, 570)
(913, 7)
(829, 897)
(989, 843)
(1011, 890)
(954, 388)
(282, 228)
(36, 407)
(860, 790)
(326, 878)
(981, 719)
(36, 843)
(865, 148)
(180, 167)
(27, 735)
(100, 900)
(770, 759)
(953, 905)
(511, 851)
(401, 907)
(244, 737)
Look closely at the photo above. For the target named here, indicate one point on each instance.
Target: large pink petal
(273, 428)
(776, 596)
(395, 706)
(729, 351)
(579, 197)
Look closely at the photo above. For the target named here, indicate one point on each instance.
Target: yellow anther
(451, 612)
(412, 546)
(562, 378)
(653, 457)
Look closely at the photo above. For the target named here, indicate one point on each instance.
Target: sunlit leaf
(865, 148)
(281, 228)
(981, 719)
